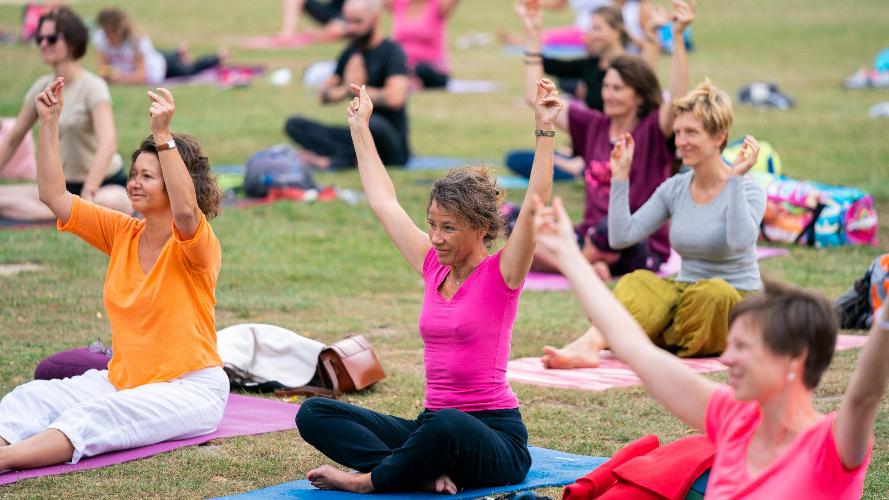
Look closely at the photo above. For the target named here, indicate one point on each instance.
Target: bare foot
(315, 160)
(327, 477)
(443, 484)
(582, 353)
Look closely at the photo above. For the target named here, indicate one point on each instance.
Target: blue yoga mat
(440, 162)
(548, 468)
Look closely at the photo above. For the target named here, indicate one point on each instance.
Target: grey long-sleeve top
(716, 240)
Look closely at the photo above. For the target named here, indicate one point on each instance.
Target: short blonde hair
(713, 107)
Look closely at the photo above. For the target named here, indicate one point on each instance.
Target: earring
(791, 376)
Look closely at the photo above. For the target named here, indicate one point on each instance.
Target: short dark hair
(472, 193)
(793, 320)
(636, 73)
(71, 27)
(205, 185)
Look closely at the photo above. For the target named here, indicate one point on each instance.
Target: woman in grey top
(714, 212)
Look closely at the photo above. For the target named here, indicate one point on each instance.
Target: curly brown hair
(206, 187)
(472, 193)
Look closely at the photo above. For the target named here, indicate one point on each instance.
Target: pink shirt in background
(466, 339)
(809, 468)
(423, 38)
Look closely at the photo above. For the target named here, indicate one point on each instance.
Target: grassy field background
(328, 270)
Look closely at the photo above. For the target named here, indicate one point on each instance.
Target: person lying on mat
(327, 13)
(471, 432)
(165, 379)
(632, 104)
(92, 167)
(373, 60)
(127, 56)
(770, 440)
(714, 212)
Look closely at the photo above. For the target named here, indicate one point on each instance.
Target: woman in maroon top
(632, 104)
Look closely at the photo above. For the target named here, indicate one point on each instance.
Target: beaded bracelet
(545, 133)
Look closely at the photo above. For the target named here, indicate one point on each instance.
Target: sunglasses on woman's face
(50, 39)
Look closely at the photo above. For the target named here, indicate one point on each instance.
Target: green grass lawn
(328, 270)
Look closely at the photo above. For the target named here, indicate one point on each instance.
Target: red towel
(601, 478)
(667, 472)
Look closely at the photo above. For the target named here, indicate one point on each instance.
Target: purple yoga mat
(546, 281)
(244, 416)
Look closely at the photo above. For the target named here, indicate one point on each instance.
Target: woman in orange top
(165, 379)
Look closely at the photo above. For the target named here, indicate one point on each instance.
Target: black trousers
(431, 77)
(175, 66)
(477, 449)
(336, 142)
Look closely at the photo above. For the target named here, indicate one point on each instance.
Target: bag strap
(809, 230)
(327, 366)
(307, 390)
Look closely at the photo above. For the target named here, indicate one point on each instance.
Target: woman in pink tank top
(420, 27)
(770, 440)
(471, 433)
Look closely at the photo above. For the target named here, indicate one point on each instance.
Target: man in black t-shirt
(373, 60)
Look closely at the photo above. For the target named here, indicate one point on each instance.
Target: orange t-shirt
(163, 323)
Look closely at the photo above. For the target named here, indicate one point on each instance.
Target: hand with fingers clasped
(532, 16)
(622, 158)
(161, 111)
(683, 15)
(547, 104)
(746, 157)
(360, 108)
(49, 102)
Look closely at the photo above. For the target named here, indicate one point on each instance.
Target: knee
(113, 197)
(631, 285)
(445, 424)
(311, 415)
(294, 125)
(715, 292)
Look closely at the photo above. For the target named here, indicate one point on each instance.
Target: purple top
(651, 166)
(466, 339)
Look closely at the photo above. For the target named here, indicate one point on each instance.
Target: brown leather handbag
(348, 365)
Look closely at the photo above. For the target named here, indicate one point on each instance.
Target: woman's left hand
(161, 111)
(683, 15)
(746, 157)
(547, 105)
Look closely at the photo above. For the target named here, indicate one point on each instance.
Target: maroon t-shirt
(651, 166)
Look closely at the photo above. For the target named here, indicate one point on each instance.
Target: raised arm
(532, 19)
(23, 123)
(746, 201)
(177, 180)
(410, 240)
(683, 392)
(625, 229)
(515, 260)
(50, 178)
(854, 424)
(683, 15)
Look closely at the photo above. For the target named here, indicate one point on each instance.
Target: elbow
(187, 217)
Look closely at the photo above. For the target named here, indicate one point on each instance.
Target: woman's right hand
(49, 102)
(361, 107)
(532, 16)
(552, 227)
(622, 158)
(683, 15)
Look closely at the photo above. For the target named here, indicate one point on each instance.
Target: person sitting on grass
(92, 167)
(126, 56)
(471, 432)
(327, 13)
(380, 64)
(770, 440)
(714, 212)
(165, 379)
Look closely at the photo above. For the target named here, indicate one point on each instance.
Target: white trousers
(97, 418)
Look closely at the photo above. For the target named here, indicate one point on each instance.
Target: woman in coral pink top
(770, 440)
(420, 27)
(471, 432)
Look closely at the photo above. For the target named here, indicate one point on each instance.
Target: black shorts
(118, 178)
(324, 12)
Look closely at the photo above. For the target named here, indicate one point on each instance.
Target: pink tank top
(466, 339)
(422, 38)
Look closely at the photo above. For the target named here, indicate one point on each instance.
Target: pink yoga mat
(546, 281)
(613, 373)
(244, 416)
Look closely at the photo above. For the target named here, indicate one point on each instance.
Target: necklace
(459, 281)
